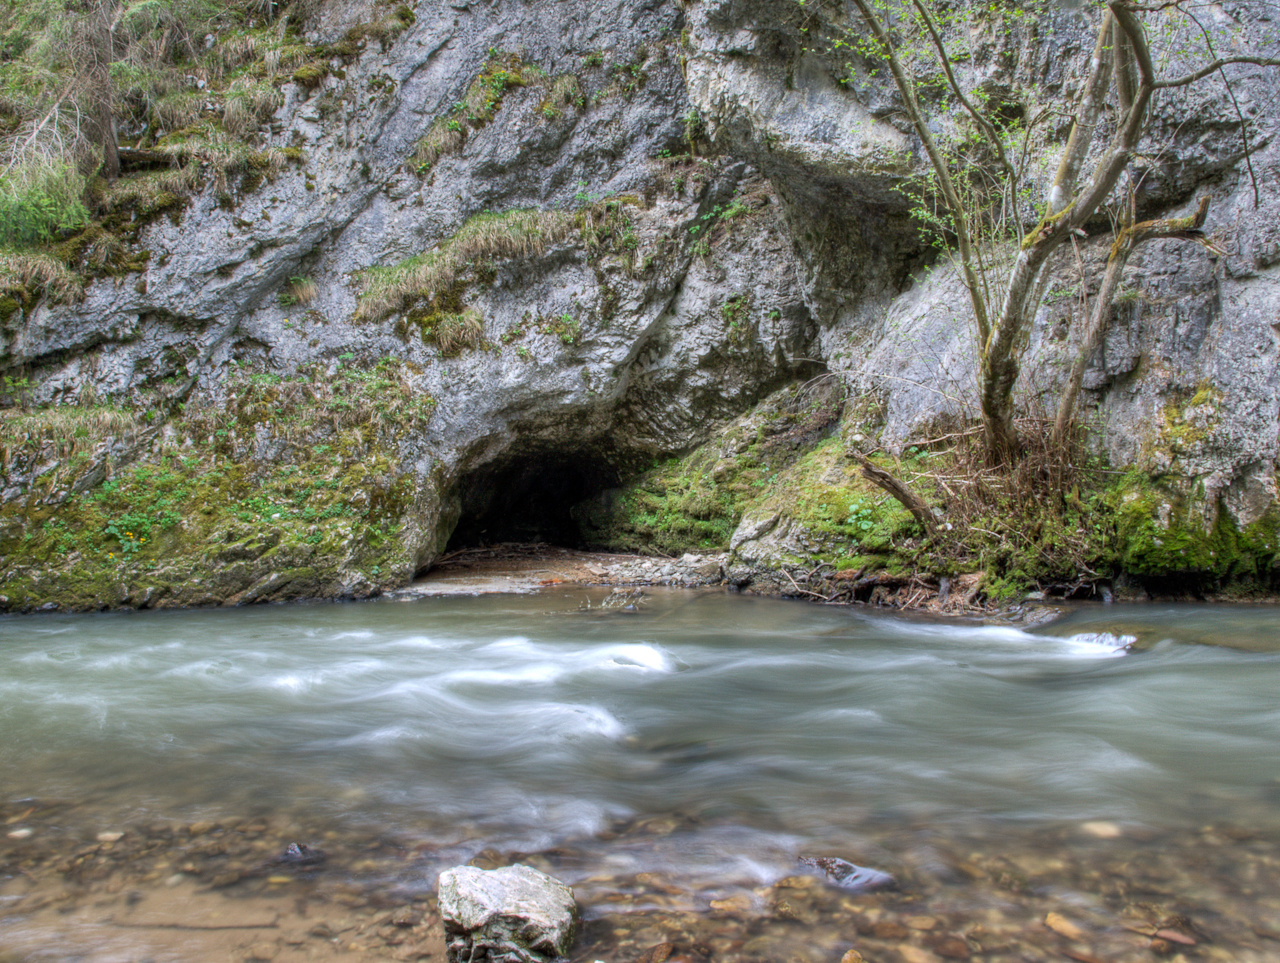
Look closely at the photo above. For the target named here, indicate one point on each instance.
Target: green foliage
(452, 331)
(434, 280)
(38, 202)
(677, 507)
(489, 236)
(565, 327)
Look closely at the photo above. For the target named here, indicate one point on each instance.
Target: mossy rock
(1161, 537)
(9, 306)
(312, 74)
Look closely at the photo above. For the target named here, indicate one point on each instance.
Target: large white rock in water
(510, 915)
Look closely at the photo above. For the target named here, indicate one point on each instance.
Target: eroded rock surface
(711, 209)
(510, 915)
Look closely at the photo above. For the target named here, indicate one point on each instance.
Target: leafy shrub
(38, 201)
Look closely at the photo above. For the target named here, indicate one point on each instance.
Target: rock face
(510, 915)
(675, 210)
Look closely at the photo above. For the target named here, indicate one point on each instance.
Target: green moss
(9, 306)
(202, 518)
(1162, 533)
(676, 507)
(311, 75)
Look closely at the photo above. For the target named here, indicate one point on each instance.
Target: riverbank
(98, 510)
(523, 568)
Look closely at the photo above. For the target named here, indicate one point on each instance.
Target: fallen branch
(908, 499)
(815, 595)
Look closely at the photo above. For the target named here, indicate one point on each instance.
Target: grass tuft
(28, 271)
(511, 234)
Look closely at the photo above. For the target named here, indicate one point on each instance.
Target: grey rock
(828, 264)
(510, 915)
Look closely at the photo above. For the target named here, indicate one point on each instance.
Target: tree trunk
(103, 53)
(1185, 228)
(107, 132)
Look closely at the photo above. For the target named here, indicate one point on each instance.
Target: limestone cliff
(506, 256)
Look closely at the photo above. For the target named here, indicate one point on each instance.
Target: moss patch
(1161, 535)
(289, 484)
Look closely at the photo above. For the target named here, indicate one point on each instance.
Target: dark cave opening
(529, 499)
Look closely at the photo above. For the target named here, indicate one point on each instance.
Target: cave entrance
(529, 499)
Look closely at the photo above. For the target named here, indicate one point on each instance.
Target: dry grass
(445, 136)
(481, 101)
(224, 155)
(300, 290)
(59, 432)
(65, 422)
(177, 109)
(456, 332)
(563, 91)
(513, 234)
(30, 271)
(238, 50)
(1017, 516)
(151, 191)
(249, 104)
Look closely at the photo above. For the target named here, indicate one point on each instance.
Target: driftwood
(895, 487)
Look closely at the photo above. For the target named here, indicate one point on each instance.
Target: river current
(1117, 770)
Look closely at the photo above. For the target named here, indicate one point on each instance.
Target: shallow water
(705, 740)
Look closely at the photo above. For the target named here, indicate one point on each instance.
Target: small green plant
(38, 202)
(16, 391)
(298, 290)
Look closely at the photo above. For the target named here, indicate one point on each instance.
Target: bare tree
(1003, 313)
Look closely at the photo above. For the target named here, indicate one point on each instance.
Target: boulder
(510, 915)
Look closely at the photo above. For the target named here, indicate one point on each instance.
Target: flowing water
(1116, 772)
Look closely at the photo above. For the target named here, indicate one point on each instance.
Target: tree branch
(959, 216)
(1182, 228)
(895, 487)
(1217, 65)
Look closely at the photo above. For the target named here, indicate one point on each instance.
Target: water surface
(748, 730)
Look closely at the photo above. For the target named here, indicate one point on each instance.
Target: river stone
(510, 915)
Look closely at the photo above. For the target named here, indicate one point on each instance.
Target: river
(1116, 772)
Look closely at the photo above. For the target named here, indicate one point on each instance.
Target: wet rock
(737, 904)
(846, 875)
(952, 948)
(661, 953)
(406, 917)
(889, 930)
(915, 954)
(1101, 830)
(510, 915)
(1063, 926)
(300, 854)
